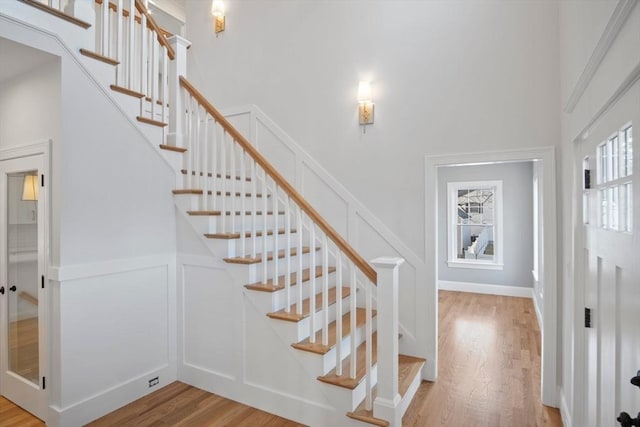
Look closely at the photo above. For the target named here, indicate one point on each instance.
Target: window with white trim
(615, 169)
(475, 224)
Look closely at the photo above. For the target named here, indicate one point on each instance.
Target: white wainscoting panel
(116, 334)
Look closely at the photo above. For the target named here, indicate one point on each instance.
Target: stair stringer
(300, 397)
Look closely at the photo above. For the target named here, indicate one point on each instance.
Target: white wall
(111, 273)
(30, 105)
(437, 89)
(517, 223)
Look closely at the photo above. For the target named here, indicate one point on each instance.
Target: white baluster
(189, 144)
(105, 28)
(352, 318)
(265, 193)
(287, 237)
(325, 291)
(339, 312)
(131, 43)
(197, 147)
(164, 85)
(206, 156)
(368, 345)
(222, 180)
(299, 233)
(275, 235)
(312, 296)
(144, 49)
(254, 208)
(119, 43)
(243, 204)
(153, 70)
(233, 181)
(216, 189)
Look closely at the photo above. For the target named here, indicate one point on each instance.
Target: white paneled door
(610, 254)
(22, 293)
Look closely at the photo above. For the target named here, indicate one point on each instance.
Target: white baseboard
(484, 288)
(96, 406)
(564, 411)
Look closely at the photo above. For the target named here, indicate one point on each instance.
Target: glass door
(21, 293)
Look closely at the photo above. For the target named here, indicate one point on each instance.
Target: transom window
(475, 224)
(614, 188)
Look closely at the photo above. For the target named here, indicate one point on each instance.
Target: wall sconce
(217, 11)
(30, 188)
(365, 103)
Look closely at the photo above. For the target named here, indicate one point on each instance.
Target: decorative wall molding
(616, 22)
(103, 268)
(486, 288)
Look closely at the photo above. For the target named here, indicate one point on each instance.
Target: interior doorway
(547, 273)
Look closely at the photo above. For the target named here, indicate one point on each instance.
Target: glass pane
(602, 163)
(613, 208)
(614, 158)
(22, 274)
(604, 212)
(629, 207)
(627, 154)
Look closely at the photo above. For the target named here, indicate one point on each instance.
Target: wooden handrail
(342, 244)
(28, 297)
(159, 32)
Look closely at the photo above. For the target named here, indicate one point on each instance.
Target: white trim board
(616, 22)
(486, 288)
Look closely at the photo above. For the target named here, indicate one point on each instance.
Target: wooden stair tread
(173, 148)
(91, 54)
(151, 121)
(227, 213)
(318, 348)
(218, 175)
(197, 191)
(231, 236)
(57, 13)
(126, 91)
(344, 380)
(247, 259)
(292, 316)
(270, 287)
(408, 368)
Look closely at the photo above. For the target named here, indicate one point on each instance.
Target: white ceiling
(16, 59)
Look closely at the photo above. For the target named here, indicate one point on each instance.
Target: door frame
(42, 148)
(549, 244)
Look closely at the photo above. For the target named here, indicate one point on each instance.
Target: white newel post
(84, 10)
(386, 404)
(177, 68)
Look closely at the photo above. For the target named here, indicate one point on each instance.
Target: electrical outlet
(154, 382)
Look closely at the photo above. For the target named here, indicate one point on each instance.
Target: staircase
(335, 312)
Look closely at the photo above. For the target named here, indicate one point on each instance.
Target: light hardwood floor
(489, 376)
(489, 373)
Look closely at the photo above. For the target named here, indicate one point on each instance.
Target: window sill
(478, 265)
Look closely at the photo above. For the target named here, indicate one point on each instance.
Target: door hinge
(587, 317)
(44, 383)
(42, 180)
(42, 281)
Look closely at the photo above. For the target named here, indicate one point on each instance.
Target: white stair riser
(323, 363)
(234, 247)
(213, 223)
(268, 302)
(347, 400)
(299, 331)
(196, 202)
(221, 183)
